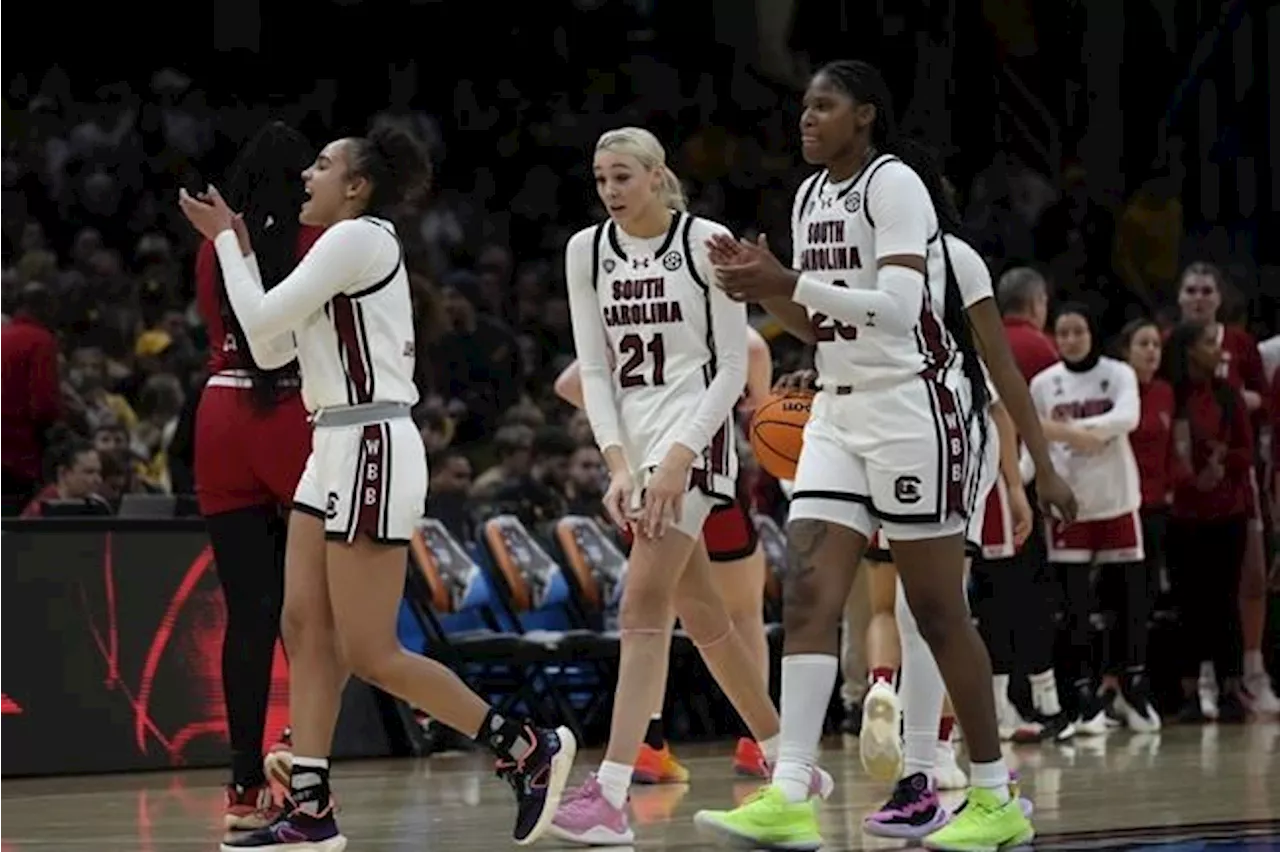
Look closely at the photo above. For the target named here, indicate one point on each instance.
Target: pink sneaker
(585, 816)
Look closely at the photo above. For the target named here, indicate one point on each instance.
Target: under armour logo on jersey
(609, 265)
(852, 202)
(1105, 384)
(672, 261)
(639, 263)
(825, 203)
(871, 319)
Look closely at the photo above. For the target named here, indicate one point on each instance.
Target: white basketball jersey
(833, 235)
(359, 347)
(656, 307)
(1106, 399)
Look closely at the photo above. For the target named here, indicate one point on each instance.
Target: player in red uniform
(252, 440)
(733, 545)
(1200, 300)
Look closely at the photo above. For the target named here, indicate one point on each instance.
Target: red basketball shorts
(728, 532)
(1103, 542)
(245, 457)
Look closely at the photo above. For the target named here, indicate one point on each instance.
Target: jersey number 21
(633, 349)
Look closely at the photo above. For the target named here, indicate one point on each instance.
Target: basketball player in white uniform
(999, 519)
(888, 445)
(347, 307)
(663, 361)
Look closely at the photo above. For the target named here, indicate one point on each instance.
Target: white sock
(615, 781)
(807, 682)
(1000, 688)
(1044, 692)
(1253, 665)
(770, 749)
(993, 776)
(921, 690)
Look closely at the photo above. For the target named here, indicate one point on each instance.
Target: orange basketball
(777, 432)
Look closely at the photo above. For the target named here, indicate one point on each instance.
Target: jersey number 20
(826, 329)
(633, 348)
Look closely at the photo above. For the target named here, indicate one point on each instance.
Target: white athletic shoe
(1207, 688)
(1259, 696)
(947, 774)
(881, 741)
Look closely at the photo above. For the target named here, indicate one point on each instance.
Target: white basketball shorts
(369, 479)
(897, 457)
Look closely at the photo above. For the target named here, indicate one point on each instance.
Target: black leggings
(1205, 561)
(1013, 603)
(1129, 593)
(248, 546)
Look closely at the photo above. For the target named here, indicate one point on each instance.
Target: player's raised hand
(723, 250)
(755, 274)
(208, 213)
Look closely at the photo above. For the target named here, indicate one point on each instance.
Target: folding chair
(451, 600)
(536, 593)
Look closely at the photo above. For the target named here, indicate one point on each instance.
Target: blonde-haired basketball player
(663, 360)
(346, 311)
(733, 547)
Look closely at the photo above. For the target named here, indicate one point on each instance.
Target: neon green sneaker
(765, 820)
(983, 825)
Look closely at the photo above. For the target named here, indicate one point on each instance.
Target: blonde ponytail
(645, 147)
(672, 191)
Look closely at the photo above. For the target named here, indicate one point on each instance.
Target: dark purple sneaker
(294, 830)
(911, 812)
(538, 779)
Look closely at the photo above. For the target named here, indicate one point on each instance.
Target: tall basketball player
(252, 440)
(888, 445)
(347, 305)
(999, 521)
(733, 546)
(663, 355)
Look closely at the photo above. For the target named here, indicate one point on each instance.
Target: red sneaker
(658, 766)
(249, 808)
(748, 759)
(278, 764)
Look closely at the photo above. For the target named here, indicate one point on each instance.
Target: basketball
(777, 432)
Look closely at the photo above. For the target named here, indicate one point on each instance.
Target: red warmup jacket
(209, 295)
(1032, 348)
(32, 398)
(1232, 496)
(1159, 468)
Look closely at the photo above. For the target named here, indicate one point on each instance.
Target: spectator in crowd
(478, 358)
(158, 407)
(31, 397)
(87, 376)
(1209, 518)
(539, 496)
(587, 482)
(1023, 297)
(1149, 235)
(448, 492)
(514, 447)
(77, 475)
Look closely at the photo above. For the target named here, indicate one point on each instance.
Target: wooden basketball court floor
(1190, 786)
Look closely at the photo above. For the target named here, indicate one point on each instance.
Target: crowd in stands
(104, 354)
